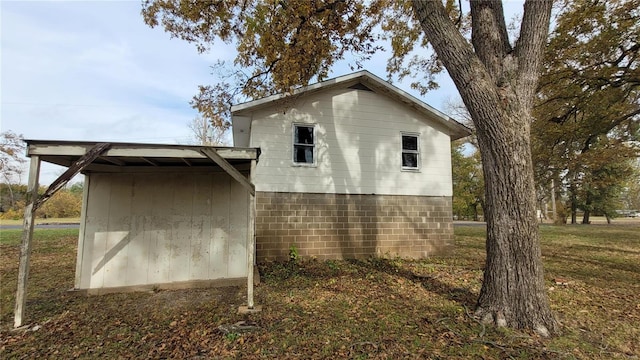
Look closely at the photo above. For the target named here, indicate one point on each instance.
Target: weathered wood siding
(141, 229)
(358, 147)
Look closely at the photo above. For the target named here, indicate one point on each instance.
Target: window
(410, 152)
(303, 144)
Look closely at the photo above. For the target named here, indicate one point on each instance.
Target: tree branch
(489, 34)
(533, 36)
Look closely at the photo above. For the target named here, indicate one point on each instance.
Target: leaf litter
(353, 309)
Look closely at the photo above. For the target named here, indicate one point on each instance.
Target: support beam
(113, 160)
(27, 235)
(149, 161)
(72, 171)
(212, 154)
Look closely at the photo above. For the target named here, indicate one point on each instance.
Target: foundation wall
(341, 226)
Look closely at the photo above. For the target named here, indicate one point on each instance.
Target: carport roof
(136, 155)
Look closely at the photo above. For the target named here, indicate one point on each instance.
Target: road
(42, 226)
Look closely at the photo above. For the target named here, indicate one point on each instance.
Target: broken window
(303, 144)
(410, 152)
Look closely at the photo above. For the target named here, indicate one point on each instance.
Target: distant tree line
(66, 203)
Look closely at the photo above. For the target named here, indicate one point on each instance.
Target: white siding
(358, 147)
(142, 229)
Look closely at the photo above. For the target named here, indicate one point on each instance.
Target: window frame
(294, 144)
(408, 151)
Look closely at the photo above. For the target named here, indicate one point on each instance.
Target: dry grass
(376, 308)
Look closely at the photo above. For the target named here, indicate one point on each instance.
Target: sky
(94, 71)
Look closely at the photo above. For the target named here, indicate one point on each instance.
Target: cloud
(94, 71)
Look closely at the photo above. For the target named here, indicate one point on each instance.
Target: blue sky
(92, 70)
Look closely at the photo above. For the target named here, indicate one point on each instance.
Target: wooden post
(27, 235)
(251, 248)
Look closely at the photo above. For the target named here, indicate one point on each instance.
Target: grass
(360, 309)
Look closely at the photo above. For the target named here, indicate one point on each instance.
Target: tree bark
(497, 84)
(587, 211)
(574, 207)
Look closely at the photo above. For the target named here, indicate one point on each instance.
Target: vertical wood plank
(27, 237)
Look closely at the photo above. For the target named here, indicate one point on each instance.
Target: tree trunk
(553, 201)
(574, 207)
(587, 211)
(497, 84)
(12, 202)
(513, 291)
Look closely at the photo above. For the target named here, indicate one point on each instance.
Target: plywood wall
(142, 229)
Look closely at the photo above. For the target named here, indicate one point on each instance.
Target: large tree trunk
(497, 84)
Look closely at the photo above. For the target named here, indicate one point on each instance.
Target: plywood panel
(219, 246)
(96, 223)
(201, 230)
(161, 232)
(238, 211)
(141, 202)
(181, 228)
(116, 256)
(160, 228)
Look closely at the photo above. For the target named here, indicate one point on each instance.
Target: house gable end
(362, 80)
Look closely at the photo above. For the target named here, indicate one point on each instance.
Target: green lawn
(383, 309)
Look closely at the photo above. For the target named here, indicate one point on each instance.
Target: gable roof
(242, 122)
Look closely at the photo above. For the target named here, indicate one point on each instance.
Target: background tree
(631, 191)
(205, 132)
(468, 183)
(65, 203)
(286, 44)
(466, 168)
(588, 107)
(12, 161)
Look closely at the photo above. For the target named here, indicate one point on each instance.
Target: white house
(350, 167)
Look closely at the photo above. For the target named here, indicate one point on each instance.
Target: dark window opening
(303, 144)
(410, 152)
